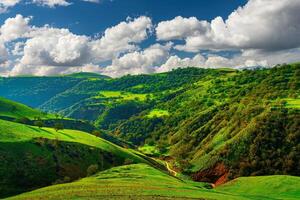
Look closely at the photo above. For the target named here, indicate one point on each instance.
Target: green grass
(122, 95)
(264, 187)
(33, 157)
(16, 110)
(140, 181)
(14, 132)
(158, 113)
(149, 150)
(127, 182)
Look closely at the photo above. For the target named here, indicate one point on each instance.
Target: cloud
(52, 47)
(174, 62)
(257, 25)
(121, 38)
(180, 28)
(14, 28)
(52, 3)
(139, 62)
(5, 4)
(55, 47)
(92, 1)
(3, 53)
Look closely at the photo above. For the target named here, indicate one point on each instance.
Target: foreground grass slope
(140, 181)
(33, 157)
(264, 187)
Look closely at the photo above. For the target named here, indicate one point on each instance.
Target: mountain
(211, 124)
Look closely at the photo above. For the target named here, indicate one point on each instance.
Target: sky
(119, 37)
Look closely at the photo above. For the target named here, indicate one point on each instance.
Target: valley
(190, 133)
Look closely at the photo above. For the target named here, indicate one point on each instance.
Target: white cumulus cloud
(139, 62)
(260, 24)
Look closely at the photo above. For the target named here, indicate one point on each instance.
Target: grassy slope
(140, 181)
(16, 110)
(264, 187)
(14, 132)
(32, 157)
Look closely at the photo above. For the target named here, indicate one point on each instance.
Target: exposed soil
(218, 174)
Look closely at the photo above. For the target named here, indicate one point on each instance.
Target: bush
(23, 120)
(39, 123)
(128, 161)
(58, 126)
(92, 169)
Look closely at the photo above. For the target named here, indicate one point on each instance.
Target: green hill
(264, 187)
(141, 181)
(86, 75)
(16, 110)
(33, 157)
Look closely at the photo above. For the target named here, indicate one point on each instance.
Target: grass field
(140, 181)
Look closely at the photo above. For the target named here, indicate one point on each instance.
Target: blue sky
(118, 37)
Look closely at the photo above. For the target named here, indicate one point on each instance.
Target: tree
(39, 123)
(58, 126)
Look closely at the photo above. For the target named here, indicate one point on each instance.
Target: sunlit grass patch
(158, 113)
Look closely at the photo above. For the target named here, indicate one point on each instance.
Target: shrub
(92, 169)
(58, 126)
(128, 161)
(39, 123)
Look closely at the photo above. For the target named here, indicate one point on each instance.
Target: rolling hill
(33, 157)
(140, 181)
(11, 109)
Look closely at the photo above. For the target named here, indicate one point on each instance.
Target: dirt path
(171, 170)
